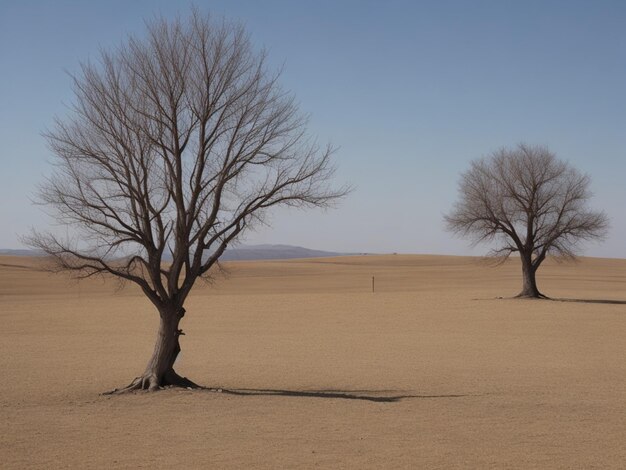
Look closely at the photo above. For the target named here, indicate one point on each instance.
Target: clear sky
(410, 91)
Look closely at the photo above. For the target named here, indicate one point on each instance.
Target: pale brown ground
(470, 381)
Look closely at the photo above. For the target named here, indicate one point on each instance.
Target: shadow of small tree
(365, 395)
(590, 301)
(557, 299)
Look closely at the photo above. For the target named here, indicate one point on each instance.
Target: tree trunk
(529, 286)
(160, 369)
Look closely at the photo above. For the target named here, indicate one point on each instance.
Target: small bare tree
(176, 144)
(531, 203)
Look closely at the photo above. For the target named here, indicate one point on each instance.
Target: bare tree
(176, 144)
(530, 203)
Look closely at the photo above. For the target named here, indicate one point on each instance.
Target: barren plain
(432, 370)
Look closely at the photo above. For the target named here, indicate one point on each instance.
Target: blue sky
(410, 92)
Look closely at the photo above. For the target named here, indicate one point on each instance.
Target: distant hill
(24, 252)
(252, 252)
(240, 253)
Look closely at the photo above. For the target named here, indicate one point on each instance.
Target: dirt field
(430, 371)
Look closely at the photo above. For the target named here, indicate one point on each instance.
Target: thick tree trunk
(160, 369)
(529, 286)
(165, 352)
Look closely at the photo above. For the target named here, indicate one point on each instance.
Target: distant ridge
(22, 252)
(258, 252)
(240, 253)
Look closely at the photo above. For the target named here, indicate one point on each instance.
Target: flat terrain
(430, 371)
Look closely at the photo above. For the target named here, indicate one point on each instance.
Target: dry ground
(431, 371)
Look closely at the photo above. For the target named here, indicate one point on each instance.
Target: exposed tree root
(538, 295)
(175, 380)
(151, 384)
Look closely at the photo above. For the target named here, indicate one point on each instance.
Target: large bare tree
(530, 203)
(176, 144)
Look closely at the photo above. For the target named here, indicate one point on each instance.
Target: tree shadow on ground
(365, 395)
(556, 299)
(590, 301)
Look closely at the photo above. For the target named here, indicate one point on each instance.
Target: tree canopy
(175, 145)
(526, 201)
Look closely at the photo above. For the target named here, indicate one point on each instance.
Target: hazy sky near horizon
(410, 92)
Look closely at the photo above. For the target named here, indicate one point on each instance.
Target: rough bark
(529, 284)
(160, 371)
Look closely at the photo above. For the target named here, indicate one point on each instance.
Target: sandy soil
(430, 371)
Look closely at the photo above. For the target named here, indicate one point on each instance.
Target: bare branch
(527, 201)
(177, 144)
